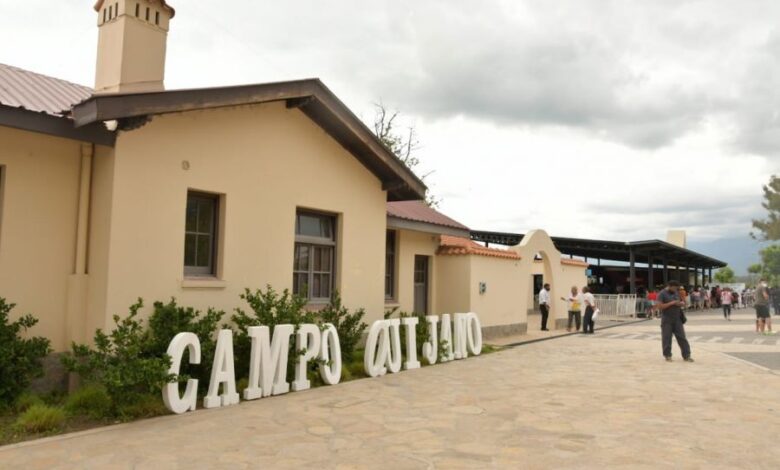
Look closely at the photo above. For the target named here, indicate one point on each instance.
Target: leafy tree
(725, 275)
(770, 262)
(404, 144)
(20, 358)
(755, 268)
(769, 229)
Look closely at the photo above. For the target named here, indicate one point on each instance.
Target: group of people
(581, 307)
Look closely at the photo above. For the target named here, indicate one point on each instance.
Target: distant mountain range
(738, 252)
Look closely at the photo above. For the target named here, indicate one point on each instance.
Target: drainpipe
(87, 152)
(76, 306)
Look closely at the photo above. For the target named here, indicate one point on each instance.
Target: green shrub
(349, 325)
(91, 400)
(40, 419)
(120, 362)
(26, 401)
(168, 320)
(267, 309)
(20, 358)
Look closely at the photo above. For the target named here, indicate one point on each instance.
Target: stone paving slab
(573, 402)
(770, 360)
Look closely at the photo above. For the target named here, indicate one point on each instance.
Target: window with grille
(200, 234)
(390, 265)
(314, 259)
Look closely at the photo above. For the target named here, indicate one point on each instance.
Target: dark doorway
(421, 284)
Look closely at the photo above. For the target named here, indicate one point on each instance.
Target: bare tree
(404, 144)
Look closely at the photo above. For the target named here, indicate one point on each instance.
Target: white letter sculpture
(446, 338)
(176, 404)
(410, 323)
(474, 334)
(330, 368)
(307, 343)
(394, 357)
(268, 363)
(460, 341)
(222, 372)
(376, 352)
(430, 348)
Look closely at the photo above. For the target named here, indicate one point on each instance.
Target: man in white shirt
(544, 305)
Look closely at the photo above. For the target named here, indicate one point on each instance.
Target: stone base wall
(55, 377)
(561, 323)
(500, 331)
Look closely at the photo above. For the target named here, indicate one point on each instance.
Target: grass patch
(26, 401)
(490, 348)
(39, 419)
(91, 401)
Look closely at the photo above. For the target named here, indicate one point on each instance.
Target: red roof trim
(454, 246)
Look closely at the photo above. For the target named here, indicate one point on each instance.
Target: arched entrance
(538, 256)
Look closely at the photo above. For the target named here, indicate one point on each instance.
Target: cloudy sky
(591, 118)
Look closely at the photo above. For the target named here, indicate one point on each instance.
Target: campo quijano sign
(458, 336)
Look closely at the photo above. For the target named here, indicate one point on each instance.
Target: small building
(129, 190)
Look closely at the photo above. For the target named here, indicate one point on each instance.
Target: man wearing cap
(670, 305)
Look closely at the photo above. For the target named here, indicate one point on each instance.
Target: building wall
(501, 308)
(409, 244)
(267, 161)
(455, 291)
(38, 226)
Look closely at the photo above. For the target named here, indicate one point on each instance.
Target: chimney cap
(165, 5)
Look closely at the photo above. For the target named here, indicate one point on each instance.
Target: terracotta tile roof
(39, 93)
(569, 262)
(418, 211)
(574, 262)
(463, 246)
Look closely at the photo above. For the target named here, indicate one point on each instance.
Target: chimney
(678, 238)
(131, 45)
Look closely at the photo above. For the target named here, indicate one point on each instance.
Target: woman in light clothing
(574, 303)
(590, 306)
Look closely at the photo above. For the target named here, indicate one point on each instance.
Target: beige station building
(128, 190)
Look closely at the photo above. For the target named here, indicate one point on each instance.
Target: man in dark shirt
(670, 305)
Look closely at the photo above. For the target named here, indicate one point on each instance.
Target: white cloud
(607, 119)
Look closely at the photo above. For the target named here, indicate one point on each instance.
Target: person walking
(574, 304)
(761, 302)
(589, 301)
(672, 322)
(774, 294)
(544, 305)
(725, 301)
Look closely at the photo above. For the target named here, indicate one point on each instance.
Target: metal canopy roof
(612, 250)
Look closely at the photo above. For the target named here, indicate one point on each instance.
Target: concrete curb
(566, 335)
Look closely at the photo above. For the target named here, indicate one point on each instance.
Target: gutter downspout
(82, 222)
(76, 308)
(78, 282)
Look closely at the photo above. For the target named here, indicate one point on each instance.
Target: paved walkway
(600, 401)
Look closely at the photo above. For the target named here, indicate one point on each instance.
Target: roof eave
(310, 96)
(59, 126)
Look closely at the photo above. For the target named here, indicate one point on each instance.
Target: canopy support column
(650, 273)
(666, 271)
(632, 271)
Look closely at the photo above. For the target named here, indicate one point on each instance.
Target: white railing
(616, 307)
